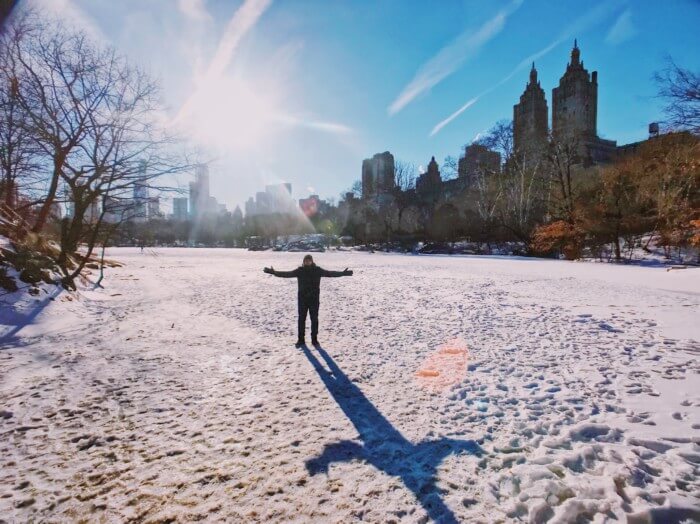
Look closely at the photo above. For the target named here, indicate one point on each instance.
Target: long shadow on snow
(383, 445)
(15, 314)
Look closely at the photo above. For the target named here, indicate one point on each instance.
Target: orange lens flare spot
(445, 366)
(452, 351)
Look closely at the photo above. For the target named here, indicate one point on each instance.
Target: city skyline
(322, 87)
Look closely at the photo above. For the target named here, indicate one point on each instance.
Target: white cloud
(245, 19)
(451, 57)
(328, 127)
(622, 30)
(578, 26)
(194, 10)
(454, 115)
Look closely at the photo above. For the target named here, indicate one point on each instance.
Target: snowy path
(175, 393)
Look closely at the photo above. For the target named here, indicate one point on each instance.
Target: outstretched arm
(345, 273)
(284, 274)
(343, 451)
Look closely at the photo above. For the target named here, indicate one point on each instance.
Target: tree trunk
(70, 236)
(9, 187)
(102, 265)
(51, 196)
(91, 246)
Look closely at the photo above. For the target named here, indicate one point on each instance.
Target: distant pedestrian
(308, 277)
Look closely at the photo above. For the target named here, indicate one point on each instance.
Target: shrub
(6, 281)
(31, 275)
(558, 237)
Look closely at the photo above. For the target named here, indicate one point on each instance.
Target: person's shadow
(383, 445)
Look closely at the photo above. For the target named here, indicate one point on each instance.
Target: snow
(560, 391)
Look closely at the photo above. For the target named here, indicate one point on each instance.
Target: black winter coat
(309, 280)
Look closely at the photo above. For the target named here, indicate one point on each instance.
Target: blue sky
(302, 91)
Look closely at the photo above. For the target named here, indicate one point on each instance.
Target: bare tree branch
(680, 88)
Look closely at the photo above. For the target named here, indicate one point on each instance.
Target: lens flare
(445, 366)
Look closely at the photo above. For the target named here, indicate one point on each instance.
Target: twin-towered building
(574, 114)
(574, 121)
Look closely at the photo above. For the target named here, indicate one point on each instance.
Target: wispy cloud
(233, 107)
(622, 30)
(454, 115)
(452, 57)
(578, 26)
(327, 127)
(240, 24)
(194, 10)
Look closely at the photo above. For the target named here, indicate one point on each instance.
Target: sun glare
(228, 114)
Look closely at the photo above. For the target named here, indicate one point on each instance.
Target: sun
(231, 114)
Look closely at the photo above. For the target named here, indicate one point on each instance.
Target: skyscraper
(575, 101)
(153, 207)
(199, 192)
(378, 175)
(575, 112)
(140, 206)
(530, 117)
(280, 198)
(250, 207)
(180, 208)
(478, 161)
(430, 181)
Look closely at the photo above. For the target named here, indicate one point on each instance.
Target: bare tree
(562, 156)
(489, 193)
(355, 189)
(95, 119)
(122, 150)
(680, 88)
(19, 155)
(449, 168)
(485, 180)
(500, 139)
(404, 190)
(405, 175)
(59, 88)
(521, 187)
(516, 192)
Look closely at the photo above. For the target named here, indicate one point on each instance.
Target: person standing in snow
(309, 279)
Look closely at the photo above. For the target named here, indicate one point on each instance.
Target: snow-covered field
(453, 388)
